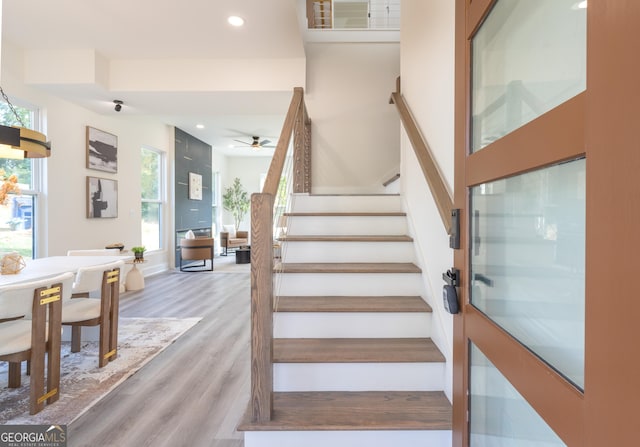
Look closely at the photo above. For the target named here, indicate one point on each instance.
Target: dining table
(42, 268)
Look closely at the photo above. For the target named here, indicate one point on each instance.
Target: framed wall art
(195, 186)
(102, 197)
(102, 150)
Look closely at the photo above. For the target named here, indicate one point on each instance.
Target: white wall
(427, 67)
(248, 170)
(355, 132)
(61, 215)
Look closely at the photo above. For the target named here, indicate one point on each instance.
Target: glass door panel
(527, 58)
(527, 256)
(500, 417)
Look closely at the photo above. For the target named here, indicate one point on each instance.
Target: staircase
(353, 360)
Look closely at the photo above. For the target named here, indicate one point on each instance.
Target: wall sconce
(20, 142)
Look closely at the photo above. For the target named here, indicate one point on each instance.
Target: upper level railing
(264, 214)
(368, 14)
(432, 174)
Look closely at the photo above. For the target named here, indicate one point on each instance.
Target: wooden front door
(546, 160)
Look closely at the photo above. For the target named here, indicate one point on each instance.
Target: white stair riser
(352, 284)
(346, 225)
(302, 203)
(358, 377)
(351, 325)
(372, 438)
(347, 251)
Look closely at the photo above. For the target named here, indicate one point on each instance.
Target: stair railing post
(302, 151)
(306, 149)
(261, 307)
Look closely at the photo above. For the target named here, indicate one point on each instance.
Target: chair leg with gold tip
(30, 331)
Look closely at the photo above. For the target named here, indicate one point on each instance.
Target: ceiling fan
(256, 144)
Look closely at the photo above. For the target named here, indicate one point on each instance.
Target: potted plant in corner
(139, 253)
(236, 200)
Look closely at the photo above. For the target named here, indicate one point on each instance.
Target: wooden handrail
(296, 123)
(277, 162)
(432, 174)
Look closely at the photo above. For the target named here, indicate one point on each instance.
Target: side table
(135, 280)
(243, 255)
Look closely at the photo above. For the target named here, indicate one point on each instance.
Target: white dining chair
(30, 318)
(80, 309)
(95, 252)
(106, 252)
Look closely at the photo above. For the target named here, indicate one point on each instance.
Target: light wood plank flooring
(196, 391)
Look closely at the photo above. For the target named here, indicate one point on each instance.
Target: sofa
(230, 240)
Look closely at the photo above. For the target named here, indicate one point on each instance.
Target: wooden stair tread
(351, 304)
(355, 350)
(346, 214)
(362, 410)
(347, 267)
(347, 238)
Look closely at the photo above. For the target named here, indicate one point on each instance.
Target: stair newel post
(261, 306)
(301, 150)
(298, 151)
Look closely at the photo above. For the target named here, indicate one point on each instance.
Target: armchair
(240, 239)
(198, 249)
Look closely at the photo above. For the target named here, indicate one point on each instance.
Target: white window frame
(161, 200)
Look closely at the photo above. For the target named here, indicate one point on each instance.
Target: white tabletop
(55, 265)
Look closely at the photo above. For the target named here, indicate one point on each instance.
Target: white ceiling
(165, 30)
(146, 34)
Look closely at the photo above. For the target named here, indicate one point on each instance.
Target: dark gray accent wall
(191, 155)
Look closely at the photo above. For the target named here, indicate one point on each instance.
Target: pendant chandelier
(19, 142)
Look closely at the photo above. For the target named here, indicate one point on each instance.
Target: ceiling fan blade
(243, 142)
(265, 142)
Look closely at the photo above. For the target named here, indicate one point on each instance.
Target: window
(152, 193)
(17, 223)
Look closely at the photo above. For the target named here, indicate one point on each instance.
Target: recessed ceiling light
(200, 126)
(235, 21)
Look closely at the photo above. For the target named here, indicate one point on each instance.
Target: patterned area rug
(82, 383)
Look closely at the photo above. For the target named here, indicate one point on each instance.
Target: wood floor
(196, 391)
